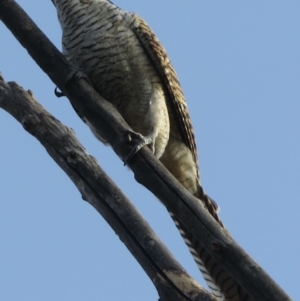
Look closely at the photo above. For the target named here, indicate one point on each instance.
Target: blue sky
(238, 63)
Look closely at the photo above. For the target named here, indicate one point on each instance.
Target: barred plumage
(128, 66)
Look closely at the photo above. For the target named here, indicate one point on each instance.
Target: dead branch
(146, 168)
(170, 279)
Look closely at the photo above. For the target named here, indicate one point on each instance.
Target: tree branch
(170, 279)
(146, 168)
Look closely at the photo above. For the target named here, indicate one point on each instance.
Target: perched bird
(128, 66)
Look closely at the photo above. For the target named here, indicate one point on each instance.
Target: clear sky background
(238, 63)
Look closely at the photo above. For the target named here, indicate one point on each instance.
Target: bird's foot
(77, 73)
(139, 141)
(74, 74)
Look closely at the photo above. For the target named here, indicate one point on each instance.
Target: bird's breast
(122, 72)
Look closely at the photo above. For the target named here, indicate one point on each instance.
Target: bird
(128, 66)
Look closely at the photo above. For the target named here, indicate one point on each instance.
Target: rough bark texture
(146, 168)
(169, 278)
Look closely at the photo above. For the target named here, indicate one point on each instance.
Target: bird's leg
(75, 73)
(139, 141)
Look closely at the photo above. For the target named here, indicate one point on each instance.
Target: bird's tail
(221, 284)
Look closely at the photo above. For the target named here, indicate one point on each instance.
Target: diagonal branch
(169, 278)
(146, 168)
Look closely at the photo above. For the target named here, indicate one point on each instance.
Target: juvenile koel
(128, 66)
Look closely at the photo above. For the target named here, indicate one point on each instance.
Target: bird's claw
(75, 73)
(58, 93)
(139, 142)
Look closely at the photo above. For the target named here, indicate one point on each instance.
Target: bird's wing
(160, 59)
(210, 269)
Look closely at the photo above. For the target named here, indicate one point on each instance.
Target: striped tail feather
(221, 284)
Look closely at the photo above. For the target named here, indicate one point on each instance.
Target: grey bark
(170, 279)
(146, 168)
